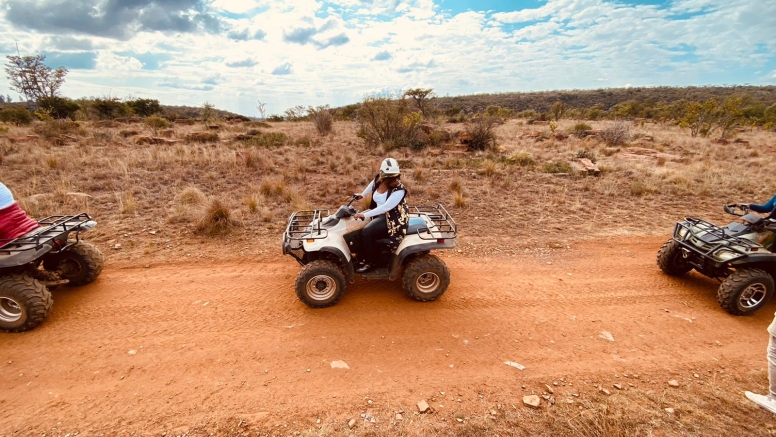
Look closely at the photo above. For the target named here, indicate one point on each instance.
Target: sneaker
(763, 401)
(365, 268)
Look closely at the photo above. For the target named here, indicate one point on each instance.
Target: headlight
(725, 254)
(682, 233)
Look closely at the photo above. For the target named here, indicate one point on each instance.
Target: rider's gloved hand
(358, 216)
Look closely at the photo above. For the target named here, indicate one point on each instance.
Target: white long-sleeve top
(383, 201)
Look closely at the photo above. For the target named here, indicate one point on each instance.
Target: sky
(236, 54)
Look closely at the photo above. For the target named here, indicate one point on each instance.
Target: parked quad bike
(739, 255)
(329, 246)
(47, 257)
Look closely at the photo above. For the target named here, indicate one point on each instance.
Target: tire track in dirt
(141, 348)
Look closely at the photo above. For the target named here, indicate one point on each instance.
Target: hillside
(542, 101)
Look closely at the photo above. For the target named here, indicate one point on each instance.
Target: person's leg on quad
(14, 222)
(768, 402)
(373, 231)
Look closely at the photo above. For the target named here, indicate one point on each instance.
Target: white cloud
(313, 52)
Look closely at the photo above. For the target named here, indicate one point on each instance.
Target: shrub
(59, 107)
(580, 129)
(56, 128)
(387, 121)
(215, 219)
(585, 153)
(322, 119)
(202, 137)
(17, 116)
(155, 123)
(109, 108)
(557, 167)
(258, 124)
(481, 131)
(275, 118)
(616, 133)
(268, 140)
(144, 107)
(208, 113)
(521, 158)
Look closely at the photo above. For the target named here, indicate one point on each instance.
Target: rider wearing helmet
(388, 211)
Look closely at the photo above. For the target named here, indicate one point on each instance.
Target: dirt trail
(152, 348)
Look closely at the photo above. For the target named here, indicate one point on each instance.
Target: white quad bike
(732, 254)
(328, 246)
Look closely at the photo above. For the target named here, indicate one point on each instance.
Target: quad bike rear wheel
(80, 264)
(425, 278)
(24, 303)
(745, 291)
(320, 284)
(671, 261)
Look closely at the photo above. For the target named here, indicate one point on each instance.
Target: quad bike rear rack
(444, 225)
(683, 231)
(50, 228)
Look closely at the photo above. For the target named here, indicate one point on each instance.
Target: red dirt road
(155, 349)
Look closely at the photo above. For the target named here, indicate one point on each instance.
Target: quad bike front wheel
(80, 264)
(24, 303)
(320, 284)
(670, 259)
(425, 278)
(745, 291)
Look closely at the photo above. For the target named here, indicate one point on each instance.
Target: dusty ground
(226, 348)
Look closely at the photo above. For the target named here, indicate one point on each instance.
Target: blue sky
(234, 53)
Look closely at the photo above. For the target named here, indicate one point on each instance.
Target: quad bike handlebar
(734, 207)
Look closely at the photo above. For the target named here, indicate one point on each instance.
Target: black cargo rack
(300, 225)
(444, 225)
(51, 228)
(727, 241)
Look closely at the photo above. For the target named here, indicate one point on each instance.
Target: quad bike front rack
(684, 232)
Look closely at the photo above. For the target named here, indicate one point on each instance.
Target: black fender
(398, 259)
(350, 274)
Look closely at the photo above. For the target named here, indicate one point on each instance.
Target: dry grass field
(182, 201)
(148, 198)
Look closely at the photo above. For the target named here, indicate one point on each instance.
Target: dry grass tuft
(216, 219)
(191, 196)
(273, 186)
(459, 200)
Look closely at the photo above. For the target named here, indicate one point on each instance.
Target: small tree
(208, 114)
(423, 99)
(144, 107)
(481, 132)
(32, 78)
(557, 110)
(728, 116)
(322, 118)
(699, 117)
(262, 110)
(59, 107)
(109, 108)
(17, 116)
(387, 121)
(296, 113)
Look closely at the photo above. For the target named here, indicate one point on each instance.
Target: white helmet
(389, 167)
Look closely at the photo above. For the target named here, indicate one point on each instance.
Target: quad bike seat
(416, 225)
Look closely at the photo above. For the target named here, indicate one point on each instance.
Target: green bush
(481, 132)
(109, 108)
(155, 123)
(275, 118)
(557, 167)
(521, 158)
(585, 153)
(17, 116)
(59, 107)
(388, 122)
(144, 107)
(268, 140)
(580, 129)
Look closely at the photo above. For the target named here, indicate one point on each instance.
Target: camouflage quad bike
(739, 255)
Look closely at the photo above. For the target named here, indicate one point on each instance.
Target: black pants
(376, 229)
